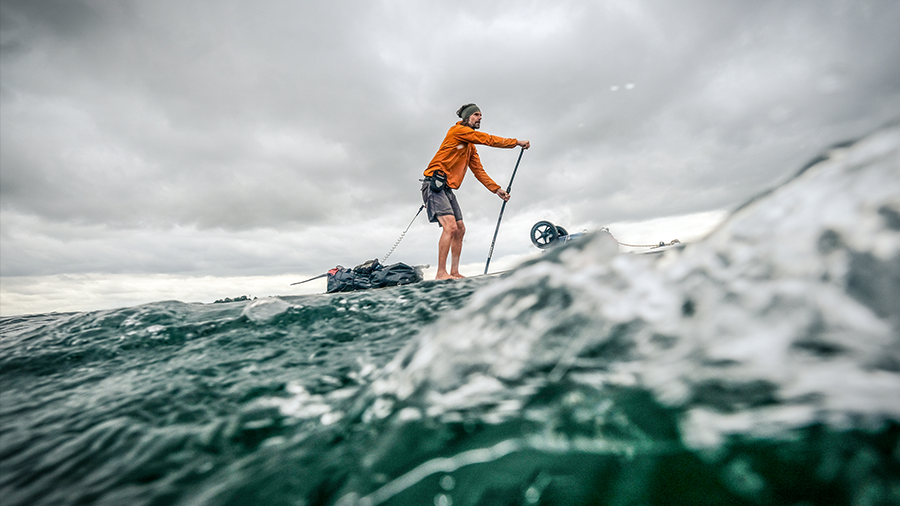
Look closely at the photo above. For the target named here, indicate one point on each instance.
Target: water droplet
(443, 500)
(532, 495)
(447, 482)
(534, 491)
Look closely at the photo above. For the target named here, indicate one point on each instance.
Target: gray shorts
(440, 203)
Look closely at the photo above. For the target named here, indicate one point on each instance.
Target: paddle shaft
(502, 208)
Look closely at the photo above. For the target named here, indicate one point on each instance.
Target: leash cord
(402, 235)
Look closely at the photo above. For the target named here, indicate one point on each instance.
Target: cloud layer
(259, 138)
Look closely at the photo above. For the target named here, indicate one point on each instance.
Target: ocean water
(760, 366)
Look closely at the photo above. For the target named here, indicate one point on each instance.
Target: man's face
(474, 121)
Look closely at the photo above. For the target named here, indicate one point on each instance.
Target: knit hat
(467, 110)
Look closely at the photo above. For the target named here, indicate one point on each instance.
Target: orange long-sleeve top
(458, 152)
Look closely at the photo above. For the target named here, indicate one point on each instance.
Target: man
(446, 172)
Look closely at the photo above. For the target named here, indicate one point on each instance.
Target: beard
(476, 125)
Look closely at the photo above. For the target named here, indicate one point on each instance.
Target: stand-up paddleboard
(474, 276)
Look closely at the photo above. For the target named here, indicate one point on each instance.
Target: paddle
(502, 208)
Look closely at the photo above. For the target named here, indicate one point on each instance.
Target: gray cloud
(251, 137)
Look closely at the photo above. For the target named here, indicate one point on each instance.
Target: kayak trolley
(546, 235)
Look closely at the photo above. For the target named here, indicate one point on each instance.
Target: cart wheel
(543, 234)
(561, 231)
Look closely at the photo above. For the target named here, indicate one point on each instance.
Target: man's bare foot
(443, 275)
(456, 275)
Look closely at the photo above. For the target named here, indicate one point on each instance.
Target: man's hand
(502, 194)
(524, 144)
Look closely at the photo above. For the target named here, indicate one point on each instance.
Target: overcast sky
(216, 139)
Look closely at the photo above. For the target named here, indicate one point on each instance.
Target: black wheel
(543, 234)
(561, 231)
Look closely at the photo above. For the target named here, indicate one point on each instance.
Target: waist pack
(438, 181)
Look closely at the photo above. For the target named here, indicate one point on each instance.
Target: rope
(383, 260)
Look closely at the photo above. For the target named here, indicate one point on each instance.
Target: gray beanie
(467, 110)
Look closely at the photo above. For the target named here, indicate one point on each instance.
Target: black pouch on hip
(438, 181)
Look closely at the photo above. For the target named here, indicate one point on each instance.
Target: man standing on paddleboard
(446, 172)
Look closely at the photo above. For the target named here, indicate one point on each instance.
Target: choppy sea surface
(760, 366)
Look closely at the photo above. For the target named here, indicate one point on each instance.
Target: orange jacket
(458, 152)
